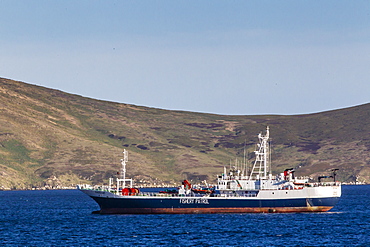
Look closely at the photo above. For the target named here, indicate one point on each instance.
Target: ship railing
(234, 195)
(156, 194)
(153, 194)
(322, 184)
(165, 194)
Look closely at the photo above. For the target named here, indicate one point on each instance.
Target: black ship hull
(191, 205)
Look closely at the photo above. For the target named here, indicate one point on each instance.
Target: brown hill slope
(46, 133)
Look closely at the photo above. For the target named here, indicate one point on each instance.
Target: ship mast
(121, 182)
(261, 163)
(123, 162)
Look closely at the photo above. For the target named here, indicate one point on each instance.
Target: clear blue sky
(224, 57)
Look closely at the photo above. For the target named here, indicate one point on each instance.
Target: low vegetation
(51, 138)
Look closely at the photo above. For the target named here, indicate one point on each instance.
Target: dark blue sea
(64, 218)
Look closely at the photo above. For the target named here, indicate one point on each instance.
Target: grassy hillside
(51, 137)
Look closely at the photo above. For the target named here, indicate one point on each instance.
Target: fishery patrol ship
(256, 192)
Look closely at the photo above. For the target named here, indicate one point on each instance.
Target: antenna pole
(123, 162)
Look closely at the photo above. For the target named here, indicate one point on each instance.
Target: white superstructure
(261, 180)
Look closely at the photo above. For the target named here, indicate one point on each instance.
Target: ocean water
(64, 218)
